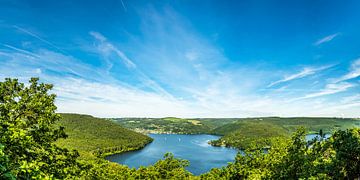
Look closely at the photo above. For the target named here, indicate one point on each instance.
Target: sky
(188, 58)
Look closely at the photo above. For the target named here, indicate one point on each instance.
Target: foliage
(27, 115)
(346, 162)
(247, 132)
(169, 125)
(238, 132)
(5, 172)
(222, 126)
(335, 158)
(167, 168)
(100, 137)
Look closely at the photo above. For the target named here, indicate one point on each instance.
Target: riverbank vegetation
(238, 132)
(32, 146)
(100, 137)
(169, 125)
(242, 134)
(35, 145)
(335, 158)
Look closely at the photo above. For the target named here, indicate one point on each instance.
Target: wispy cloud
(307, 71)
(353, 73)
(191, 55)
(337, 85)
(123, 5)
(352, 98)
(166, 67)
(329, 89)
(326, 39)
(39, 38)
(21, 51)
(27, 61)
(116, 99)
(105, 48)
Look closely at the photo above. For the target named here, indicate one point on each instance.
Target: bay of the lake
(194, 148)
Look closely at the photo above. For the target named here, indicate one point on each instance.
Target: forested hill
(243, 132)
(222, 126)
(238, 132)
(90, 135)
(169, 125)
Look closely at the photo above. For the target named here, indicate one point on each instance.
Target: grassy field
(96, 136)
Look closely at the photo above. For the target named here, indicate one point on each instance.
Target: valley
(237, 132)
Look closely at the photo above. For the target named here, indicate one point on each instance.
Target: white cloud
(305, 72)
(191, 55)
(354, 72)
(352, 98)
(329, 89)
(109, 100)
(44, 60)
(33, 55)
(326, 39)
(98, 36)
(123, 5)
(338, 85)
(38, 37)
(169, 54)
(38, 71)
(106, 48)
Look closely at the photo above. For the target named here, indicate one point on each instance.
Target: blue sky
(188, 58)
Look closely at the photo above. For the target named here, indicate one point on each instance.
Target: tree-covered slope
(95, 135)
(245, 131)
(237, 132)
(242, 133)
(314, 124)
(311, 124)
(164, 125)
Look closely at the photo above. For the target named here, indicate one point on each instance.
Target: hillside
(168, 125)
(90, 135)
(237, 132)
(311, 124)
(314, 124)
(243, 132)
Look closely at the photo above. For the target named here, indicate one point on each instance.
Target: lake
(194, 148)
(312, 136)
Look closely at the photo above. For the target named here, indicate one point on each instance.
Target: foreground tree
(346, 161)
(27, 132)
(5, 172)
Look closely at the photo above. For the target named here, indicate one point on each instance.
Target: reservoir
(194, 148)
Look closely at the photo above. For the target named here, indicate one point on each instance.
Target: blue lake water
(194, 148)
(312, 136)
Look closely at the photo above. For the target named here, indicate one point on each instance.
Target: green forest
(90, 135)
(38, 143)
(238, 132)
